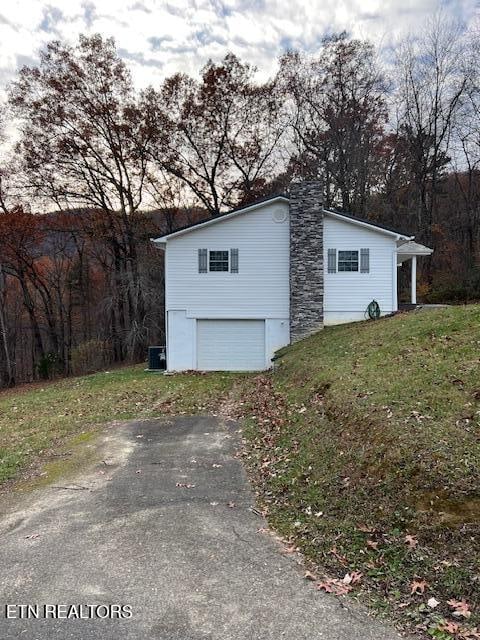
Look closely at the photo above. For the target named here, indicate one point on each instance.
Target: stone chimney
(306, 259)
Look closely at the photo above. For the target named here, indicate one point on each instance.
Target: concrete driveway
(188, 560)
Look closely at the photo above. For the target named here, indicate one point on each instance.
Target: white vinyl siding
(260, 289)
(255, 289)
(347, 293)
(230, 345)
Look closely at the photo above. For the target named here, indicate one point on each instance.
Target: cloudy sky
(158, 37)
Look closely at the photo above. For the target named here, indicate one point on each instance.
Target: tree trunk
(9, 377)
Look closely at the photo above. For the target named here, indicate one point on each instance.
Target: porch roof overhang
(411, 249)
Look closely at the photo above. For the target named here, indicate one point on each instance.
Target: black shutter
(364, 260)
(234, 260)
(202, 261)
(332, 261)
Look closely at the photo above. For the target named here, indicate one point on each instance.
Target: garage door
(230, 345)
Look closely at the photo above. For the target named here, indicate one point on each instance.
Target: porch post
(414, 280)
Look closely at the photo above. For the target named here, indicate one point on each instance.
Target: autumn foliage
(99, 167)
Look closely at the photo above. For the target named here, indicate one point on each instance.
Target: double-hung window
(218, 261)
(351, 261)
(348, 261)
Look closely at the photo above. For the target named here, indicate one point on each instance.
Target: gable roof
(364, 222)
(222, 216)
(370, 223)
(414, 248)
(409, 249)
(347, 217)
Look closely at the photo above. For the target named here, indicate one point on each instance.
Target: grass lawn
(36, 420)
(365, 448)
(364, 445)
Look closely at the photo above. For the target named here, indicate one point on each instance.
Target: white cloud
(159, 37)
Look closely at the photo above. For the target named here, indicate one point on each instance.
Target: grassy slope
(35, 420)
(377, 427)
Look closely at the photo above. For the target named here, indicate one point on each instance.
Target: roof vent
(279, 215)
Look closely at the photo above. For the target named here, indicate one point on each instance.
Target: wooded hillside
(99, 167)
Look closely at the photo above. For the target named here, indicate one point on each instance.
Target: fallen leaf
(290, 549)
(337, 587)
(326, 585)
(461, 608)
(432, 603)
(352, 578)
(231, 505)
(32, 536)
(372, 544)
(365, 528)
(411, 541)
(342, 559)
(308, 575)
(449, 627)
(418, 586)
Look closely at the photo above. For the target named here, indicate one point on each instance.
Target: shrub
(49, 366)
(90, 356)
(462, 290)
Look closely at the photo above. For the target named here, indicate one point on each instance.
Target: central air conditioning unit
(157, 359)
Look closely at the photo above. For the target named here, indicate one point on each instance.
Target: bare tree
(338, 112)
(173, 199)
(84, 142)
(223, 132)
(432, 83)
(9, 376)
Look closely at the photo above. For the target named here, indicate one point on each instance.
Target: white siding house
(347, 294)
(254, 301)
(228, 282)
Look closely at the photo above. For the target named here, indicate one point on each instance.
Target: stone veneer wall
(306, 259)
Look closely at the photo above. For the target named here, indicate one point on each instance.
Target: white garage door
(230, 345)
